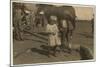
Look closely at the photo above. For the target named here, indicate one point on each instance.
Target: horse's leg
(70, 39)
(63, 39)
(70, 43)
(67, 36)
(71, 33)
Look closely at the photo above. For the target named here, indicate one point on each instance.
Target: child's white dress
(54, 39)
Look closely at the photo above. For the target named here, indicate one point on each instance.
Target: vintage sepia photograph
(51, 33)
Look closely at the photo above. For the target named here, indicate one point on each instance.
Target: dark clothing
(16, 24)
(66, 33)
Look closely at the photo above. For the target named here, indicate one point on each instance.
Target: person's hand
(52, 33)
(61, 29)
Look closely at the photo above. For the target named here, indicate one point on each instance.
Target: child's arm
(56, 28)
(48, 30)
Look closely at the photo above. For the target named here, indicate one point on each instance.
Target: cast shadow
(85, 53)
(40, 51)
(87, 35)
(36, 40)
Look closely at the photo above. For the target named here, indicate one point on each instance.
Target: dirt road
(30, 51)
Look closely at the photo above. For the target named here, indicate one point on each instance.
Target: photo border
(48, 63)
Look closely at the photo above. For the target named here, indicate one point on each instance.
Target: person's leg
(67, 41)
(62, 46)
(64, 39)
(69, 45)
(49, 51)
(54, 50)
(59, 48)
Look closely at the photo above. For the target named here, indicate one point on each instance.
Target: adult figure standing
(66, 30)
(17, 20)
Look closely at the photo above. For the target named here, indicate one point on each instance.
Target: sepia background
(5, 35)
(29, 51)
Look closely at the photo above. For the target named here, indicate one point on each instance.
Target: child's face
(53, 19)
(52, 22)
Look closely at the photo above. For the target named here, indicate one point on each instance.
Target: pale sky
(84, 13)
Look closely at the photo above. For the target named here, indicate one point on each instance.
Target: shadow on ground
(40, 51)
(87, 35)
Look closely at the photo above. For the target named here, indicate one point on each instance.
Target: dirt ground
(30, 51)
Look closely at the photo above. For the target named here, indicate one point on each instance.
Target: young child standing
(53, 38)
